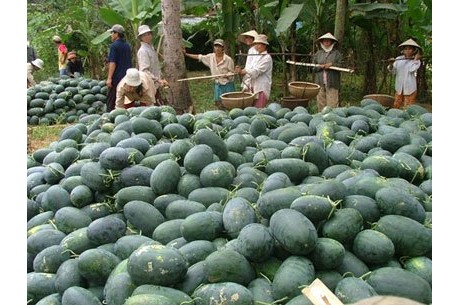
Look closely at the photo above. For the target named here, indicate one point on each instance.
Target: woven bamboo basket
(241, 100)
(291, 102)
(384, 99)
(303, 90)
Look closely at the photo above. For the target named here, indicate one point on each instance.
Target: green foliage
(288, 16)
(130, 14)
(76, 24)
(83, 23)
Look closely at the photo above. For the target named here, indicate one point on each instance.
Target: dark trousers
(111, 96)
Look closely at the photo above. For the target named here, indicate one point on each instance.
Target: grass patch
(42, 136)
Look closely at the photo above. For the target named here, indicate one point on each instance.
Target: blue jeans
(62, 72)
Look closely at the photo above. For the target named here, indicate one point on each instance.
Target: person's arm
(148, 96)
(231, 68)
(415, 63)
(194, 56)
(30, 78)
(393, 65)
(112, 66)
(144, 63)
(120, 98)
(315, 60)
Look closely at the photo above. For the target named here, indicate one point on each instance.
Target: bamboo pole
(317, 65)
(281, 53)
(205, 77)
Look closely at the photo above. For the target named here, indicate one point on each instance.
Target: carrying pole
(317, 65)
(205, 77)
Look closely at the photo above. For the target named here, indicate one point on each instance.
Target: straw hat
(37, 63)
(56, 38)
(328, 35)
(261, 38)
(411, 43)
(143, 29)
(133, 77)
(251, 33)
(219, 42)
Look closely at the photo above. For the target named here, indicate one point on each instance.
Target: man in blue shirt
(119, 61)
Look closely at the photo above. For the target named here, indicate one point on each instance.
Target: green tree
(77, 24)
(130, 14)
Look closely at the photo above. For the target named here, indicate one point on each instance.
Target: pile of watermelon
(62, 100)
(247, 206)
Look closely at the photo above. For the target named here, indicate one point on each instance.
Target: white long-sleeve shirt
(405, 71)
(259, 74)
(147, 59)
(251, 57)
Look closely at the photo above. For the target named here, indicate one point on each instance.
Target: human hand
(327, 66)
(163, 82)
(391, 60)
(108, 83)
(418, 56)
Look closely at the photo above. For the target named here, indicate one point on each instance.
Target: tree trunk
(228, 30)
(370, 77)
(293, 42)
(423, 94)
(179, 93)
(340, 18)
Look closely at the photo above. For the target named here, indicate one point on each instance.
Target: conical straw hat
(251, 33)
(410, 42)
(328, 36)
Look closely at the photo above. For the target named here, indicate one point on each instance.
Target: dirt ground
(37, 140)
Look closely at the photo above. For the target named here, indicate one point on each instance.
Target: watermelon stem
(51, 222)
(54, 170)
(280, 300)
(72, 254)
(265, 277)
(365, 275)
(348, 274)
(334, 206)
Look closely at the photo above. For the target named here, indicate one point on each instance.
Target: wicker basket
(303, 90)
(241, 100)
(291, 102)
(384, 99)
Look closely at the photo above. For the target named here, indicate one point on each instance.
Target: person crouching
(135, 89)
